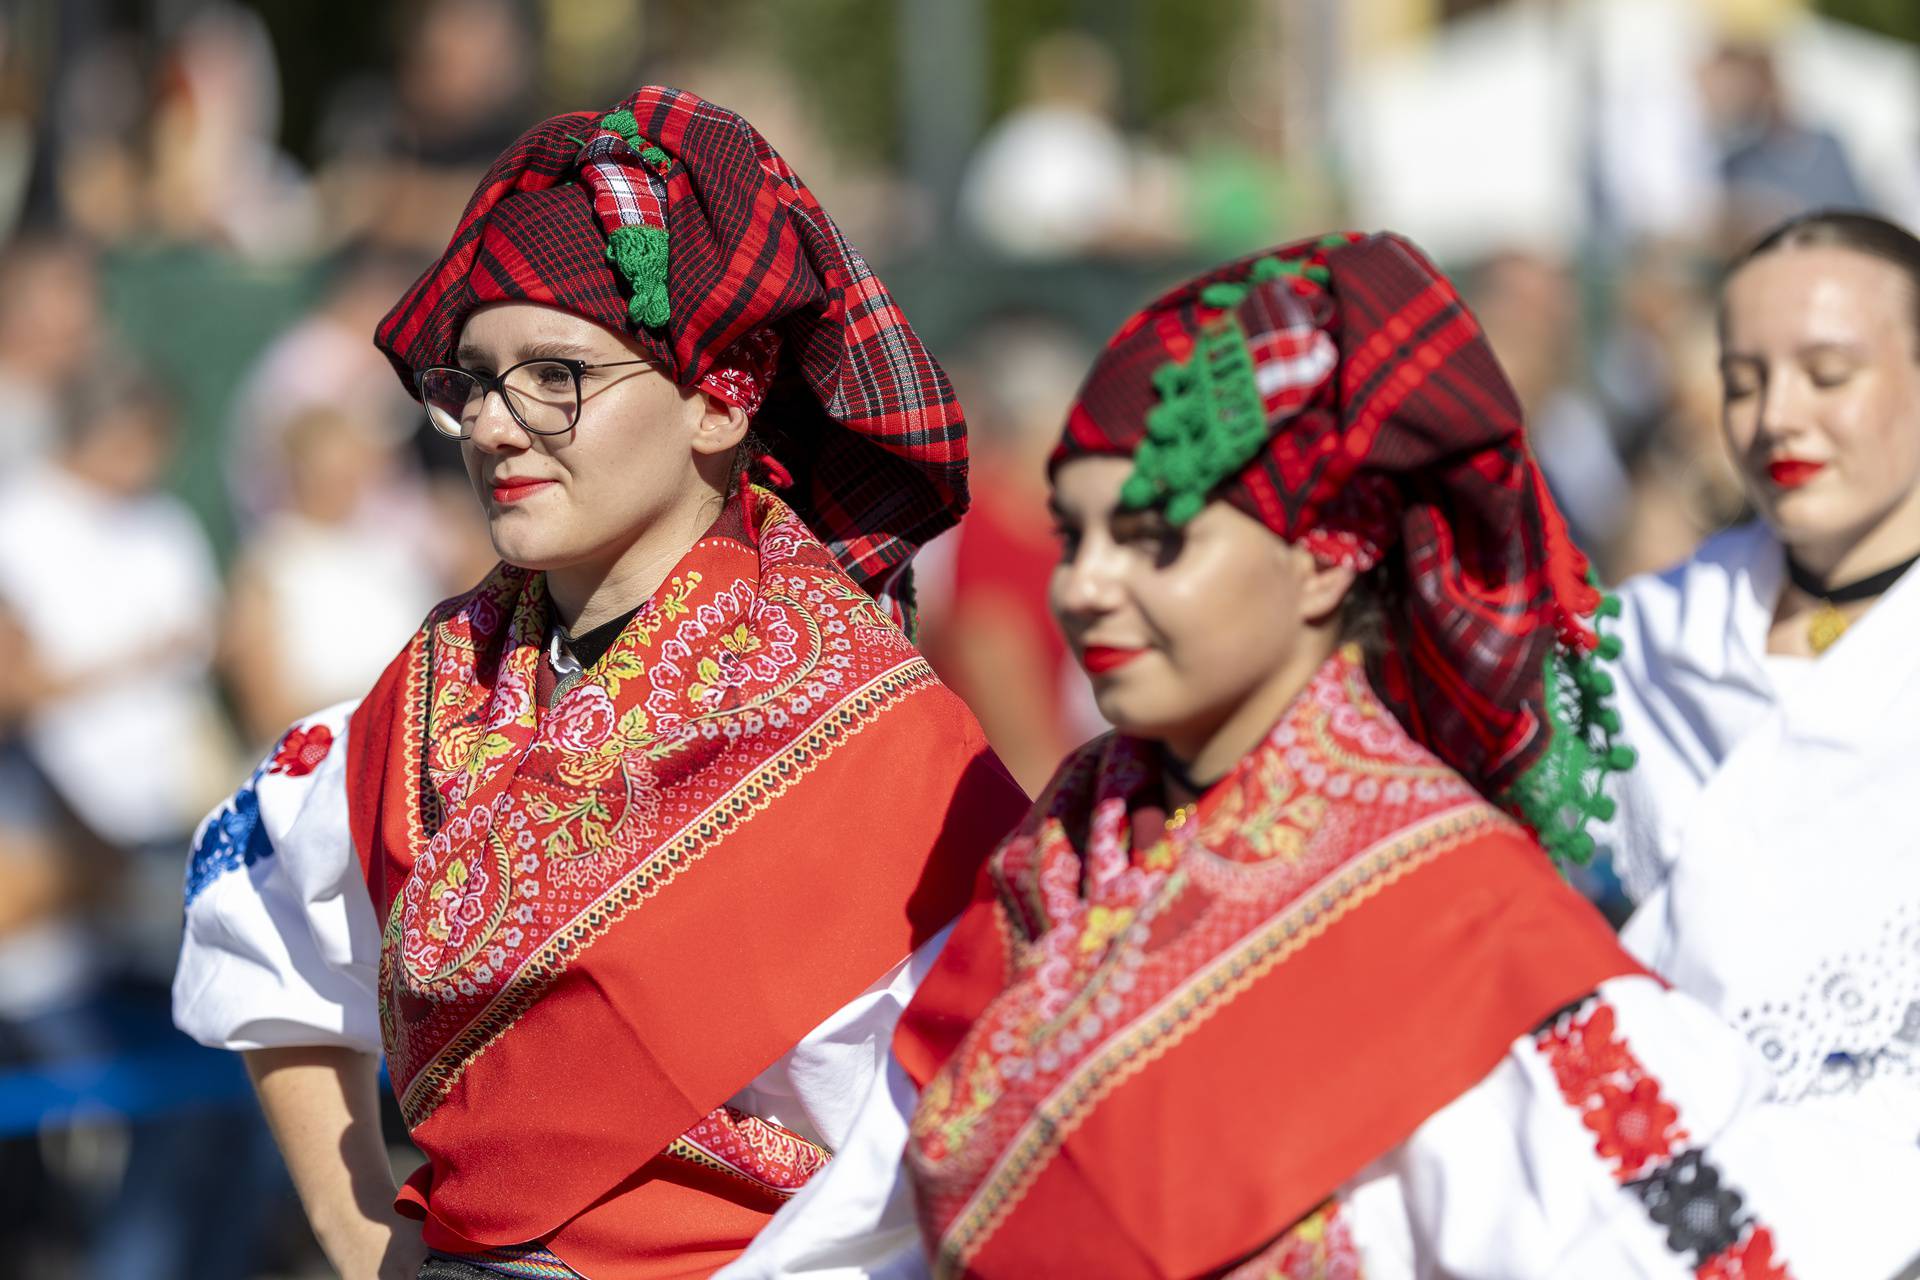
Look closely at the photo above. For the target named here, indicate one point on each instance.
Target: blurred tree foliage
(1899, 18)
(843, 53)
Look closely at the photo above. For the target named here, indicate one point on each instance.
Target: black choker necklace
(1808, 583)
(1175, 769)
(1828, 624)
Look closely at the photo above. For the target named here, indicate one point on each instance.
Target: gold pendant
(1826, 626)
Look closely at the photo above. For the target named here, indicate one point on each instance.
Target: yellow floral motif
(452, 881)
(622, 664)
(741, 642)
(1278, 822)
(1104, 924)
(708, 673)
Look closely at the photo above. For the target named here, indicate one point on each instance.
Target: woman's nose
(495, 429)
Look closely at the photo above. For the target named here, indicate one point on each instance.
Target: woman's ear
(720, 427)
(1323, 587)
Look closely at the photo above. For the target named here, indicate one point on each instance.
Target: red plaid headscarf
(857, 413)
(1373, 425)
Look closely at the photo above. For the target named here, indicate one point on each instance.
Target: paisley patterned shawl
(1147, 1050)
(517, 853)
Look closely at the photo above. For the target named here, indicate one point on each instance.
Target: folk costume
(628, 912)
(1769, 792)
(1340, 1017)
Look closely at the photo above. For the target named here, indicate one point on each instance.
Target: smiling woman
(1277, 979)
(622, 861)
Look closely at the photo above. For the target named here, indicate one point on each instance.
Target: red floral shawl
(604, 919)
(1147, 1055)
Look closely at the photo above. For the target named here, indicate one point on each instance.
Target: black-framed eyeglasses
(542, 395)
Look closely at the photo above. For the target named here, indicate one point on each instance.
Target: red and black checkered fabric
(859, 413)
(1413, 446)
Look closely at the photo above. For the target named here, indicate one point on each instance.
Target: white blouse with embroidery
(282, 947)
(1765, 831)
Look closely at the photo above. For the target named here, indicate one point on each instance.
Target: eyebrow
(539, 349)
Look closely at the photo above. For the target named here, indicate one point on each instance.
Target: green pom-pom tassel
(1565, 790)
(655, 156)
(622, 123)
(1223, 294)
(1137, 492)
(640, 255)
(1265, 270)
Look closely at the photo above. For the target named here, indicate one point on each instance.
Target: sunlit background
(218, 510)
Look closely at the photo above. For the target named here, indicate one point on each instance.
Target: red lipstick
(1099, 658)
(515, 488)
(1791, 473)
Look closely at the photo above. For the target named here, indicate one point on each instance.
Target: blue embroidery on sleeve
(232, 838)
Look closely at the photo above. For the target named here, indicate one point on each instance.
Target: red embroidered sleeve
(1637, 1132)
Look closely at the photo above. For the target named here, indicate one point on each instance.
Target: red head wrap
(674, 221)
(1339, 392)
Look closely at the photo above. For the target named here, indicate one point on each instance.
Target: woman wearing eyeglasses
(621, 861)
(1771, 686)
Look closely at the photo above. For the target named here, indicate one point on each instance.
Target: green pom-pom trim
(656, 156)
(622, 123)
(640, 255)
(1210, 423)
(1565, 790)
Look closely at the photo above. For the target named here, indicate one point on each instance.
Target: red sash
(605, 918)
(1147, 1056)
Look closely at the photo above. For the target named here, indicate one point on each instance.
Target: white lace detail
(1855, 1018)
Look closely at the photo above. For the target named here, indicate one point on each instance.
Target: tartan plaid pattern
(857, 413)
(1413, 442)
(625, 192)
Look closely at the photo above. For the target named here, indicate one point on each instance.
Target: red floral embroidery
(301, 751)
(1751, 1259)
(1637, 1132)
(1636, 1126)
(1584, 1050)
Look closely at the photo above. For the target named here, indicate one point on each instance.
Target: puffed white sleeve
(1634, 1136)
(281, 947)
(855, 1218)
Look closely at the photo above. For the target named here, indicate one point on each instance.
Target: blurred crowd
(219, 510)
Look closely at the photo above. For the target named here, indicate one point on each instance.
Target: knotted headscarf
(672, 220)
(1339, 392)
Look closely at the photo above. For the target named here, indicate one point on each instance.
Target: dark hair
(1374, 595)
(1852, 229)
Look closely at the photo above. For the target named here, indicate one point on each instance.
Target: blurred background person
(318, 560)
(984, 585)
(1772, 164)
(49, 317)
(1057, 177)
(117, 591)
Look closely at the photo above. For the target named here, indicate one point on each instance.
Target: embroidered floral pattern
(1319, 1247)
(775, 1159)
(1638, 1133)
(539, 828)
(1853, 1019)
(1118, 948)
(230, 838)
(302, 751)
